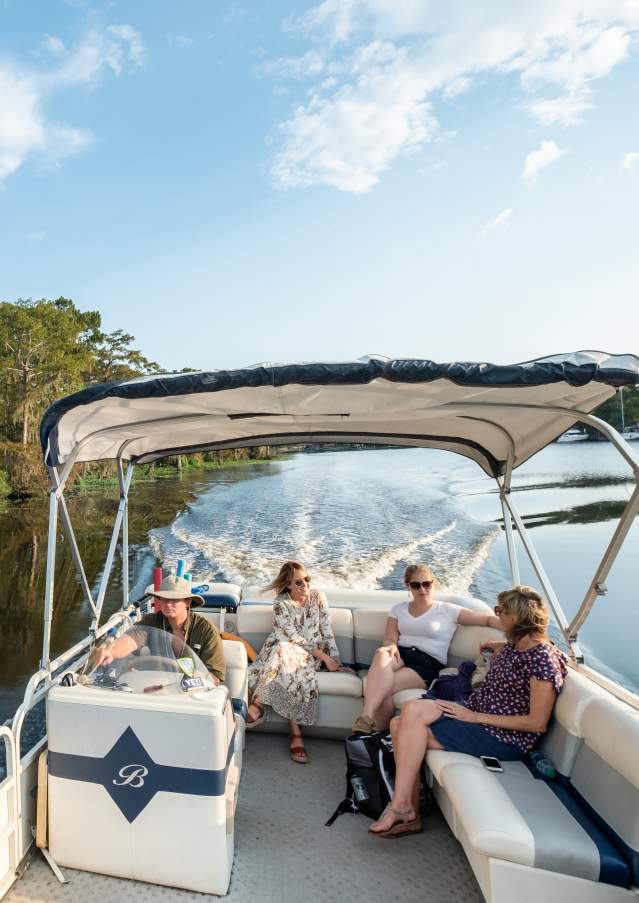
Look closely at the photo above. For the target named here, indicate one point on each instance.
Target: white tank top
(430, 632)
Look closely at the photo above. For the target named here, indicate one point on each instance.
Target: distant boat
(574, 435)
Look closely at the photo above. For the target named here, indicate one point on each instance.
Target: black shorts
(424, 664)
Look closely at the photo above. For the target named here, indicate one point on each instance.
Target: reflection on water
(593, 513)
(354, 518)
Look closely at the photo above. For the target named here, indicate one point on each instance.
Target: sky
(242, 182)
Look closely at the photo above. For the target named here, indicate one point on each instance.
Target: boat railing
(9, 822)
(22, 775)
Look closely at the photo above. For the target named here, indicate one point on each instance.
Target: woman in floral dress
(284, 674)
(504, 717)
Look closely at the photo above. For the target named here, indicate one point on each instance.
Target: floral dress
(284, 674)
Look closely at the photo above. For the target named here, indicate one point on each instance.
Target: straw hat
(173, 587)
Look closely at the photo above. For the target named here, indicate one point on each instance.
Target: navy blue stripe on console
(132, 778)
(613, 867)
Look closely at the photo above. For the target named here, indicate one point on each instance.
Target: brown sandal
(401, 826)
(297, 750)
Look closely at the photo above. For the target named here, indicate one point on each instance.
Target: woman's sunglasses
(415, 584)
(302, 581)
(500, 610)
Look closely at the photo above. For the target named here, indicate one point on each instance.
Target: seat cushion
(339, 683)
(438, 759)
(518, 817)
(405, 696)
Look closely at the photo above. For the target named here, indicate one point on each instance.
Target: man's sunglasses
(415, 584)
(300, 582)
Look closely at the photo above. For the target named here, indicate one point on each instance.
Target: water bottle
(359, 789)
(542, 764)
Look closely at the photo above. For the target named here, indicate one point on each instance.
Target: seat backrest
(255, 622)
(236, 664)
(466, 641)
(564, 737)
(606, 771)
(368, 626)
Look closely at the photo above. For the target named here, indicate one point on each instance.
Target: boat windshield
(146, 660)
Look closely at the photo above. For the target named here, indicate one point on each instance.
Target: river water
(356, 519)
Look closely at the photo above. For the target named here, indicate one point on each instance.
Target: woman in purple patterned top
(503, 718)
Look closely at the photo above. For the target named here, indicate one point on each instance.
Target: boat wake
(350, 528)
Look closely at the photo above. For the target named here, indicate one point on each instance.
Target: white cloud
(348, 139)
(393, 63)
(25, 129)
(310, 64)
(630, 160)
(546, 154)
(500, 222)
(37, 236)
(567, 110)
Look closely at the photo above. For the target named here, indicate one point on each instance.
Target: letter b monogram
(133, 775)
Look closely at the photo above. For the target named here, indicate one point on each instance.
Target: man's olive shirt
(203, 638)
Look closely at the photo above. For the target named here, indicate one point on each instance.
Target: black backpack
(370, 776)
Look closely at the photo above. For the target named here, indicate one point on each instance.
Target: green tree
(46, 347)
(610, 410)
(115, 360)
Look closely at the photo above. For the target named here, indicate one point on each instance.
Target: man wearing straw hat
(175, 618)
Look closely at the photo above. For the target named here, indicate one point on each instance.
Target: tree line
(49, 349)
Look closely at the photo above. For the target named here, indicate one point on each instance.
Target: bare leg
(411, 737)
(379, 682)
(387, 676)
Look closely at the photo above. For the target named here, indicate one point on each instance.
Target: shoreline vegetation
(49, 349)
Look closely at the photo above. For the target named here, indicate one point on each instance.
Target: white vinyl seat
(339, 683)
(582, 828)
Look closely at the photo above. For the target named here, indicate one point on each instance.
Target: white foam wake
(242, 561)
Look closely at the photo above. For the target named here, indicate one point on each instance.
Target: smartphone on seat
(491, 763)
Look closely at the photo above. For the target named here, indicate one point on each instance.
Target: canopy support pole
(544, 580)
(50, 577)
(75, 552)
(124, 493)
(108, 564)
(510, 538)
(597, 584)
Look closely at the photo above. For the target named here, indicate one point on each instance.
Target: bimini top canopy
(495, 415)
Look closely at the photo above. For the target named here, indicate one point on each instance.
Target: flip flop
(255, 721)
(297, 751)
(401, 827)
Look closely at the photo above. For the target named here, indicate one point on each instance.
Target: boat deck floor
(283, 851)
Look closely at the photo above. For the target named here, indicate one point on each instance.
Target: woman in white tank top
(416, 640)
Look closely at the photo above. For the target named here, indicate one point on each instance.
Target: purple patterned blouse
(506, 690)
